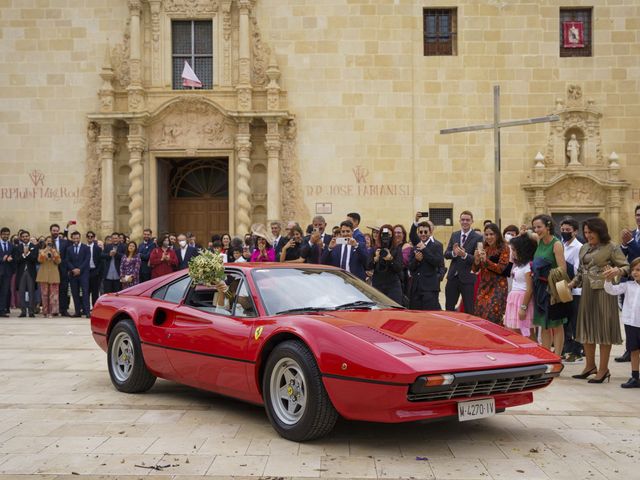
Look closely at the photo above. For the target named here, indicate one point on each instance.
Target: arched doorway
(198, 196)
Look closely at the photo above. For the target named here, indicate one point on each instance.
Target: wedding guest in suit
(460, 250)
(630, 245)
(163, 259)
(349, 254)
(354, 218)
(130, 266)
(276, 232)
(48, 278)
(400, 240)
(26, 255)
(317, 240)
(111, 258)
(424, 263)
(78, 266)
(264, 251)
(95, 267)
(7, 269)
(192, 241)
(144, 251)
(294, 251)
(184, 252)
(61, 245)
(386, 264)
(491, 262)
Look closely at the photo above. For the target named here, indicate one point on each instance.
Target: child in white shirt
(631, 318)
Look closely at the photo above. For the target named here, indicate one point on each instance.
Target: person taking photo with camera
(424, 264)
(345, 252)
(386, 264)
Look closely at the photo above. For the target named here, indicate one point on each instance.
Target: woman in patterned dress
(491, 262)
(130, 266)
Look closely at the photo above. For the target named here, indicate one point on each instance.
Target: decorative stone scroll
(120, 59)
(261, 53)
(293, 205)
(90, 213)
(191, 7)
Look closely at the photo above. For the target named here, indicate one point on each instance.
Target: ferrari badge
(257, 333)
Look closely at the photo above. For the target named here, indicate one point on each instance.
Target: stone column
(136, 145)
(273, 88)
(273, 171)
(243, 202)
(244, 58)
(107, 147)
(614, 202)
(134, 90)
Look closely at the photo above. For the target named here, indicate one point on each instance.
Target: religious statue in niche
(573, 150)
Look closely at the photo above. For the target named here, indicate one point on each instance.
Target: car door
(207, 345)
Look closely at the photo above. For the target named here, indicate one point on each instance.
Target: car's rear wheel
(126, 364)
(296, 401)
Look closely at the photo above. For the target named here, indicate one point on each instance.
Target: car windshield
(288, 290)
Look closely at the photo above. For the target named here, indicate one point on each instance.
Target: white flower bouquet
(207, 268)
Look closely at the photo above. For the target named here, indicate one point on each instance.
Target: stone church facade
(311, 107)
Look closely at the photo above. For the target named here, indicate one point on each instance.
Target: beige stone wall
(368, 104)
(365, 95)
(50, 57)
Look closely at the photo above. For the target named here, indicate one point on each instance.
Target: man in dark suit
(184, 252)
(354, 218)
(630, 245)
(7, 269)
(95, 267)
(424, 264)
(349, 254)
(111, 258)
(318, 240)
(26, 256)
(78, 267)
(144, 250)
(61, 245)
(460, 281)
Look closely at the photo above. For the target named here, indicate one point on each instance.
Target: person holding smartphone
(345, 252)
(294, 251)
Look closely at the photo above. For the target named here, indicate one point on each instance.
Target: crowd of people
(564, 291)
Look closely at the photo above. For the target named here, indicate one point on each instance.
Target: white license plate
(476, 409)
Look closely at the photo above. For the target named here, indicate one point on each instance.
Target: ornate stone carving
(105, 94)
(576, 191)
(155, 40)
(261, 53)
(192, 123)
(273, 89)
(574, 93)
(243, 188)
(244, 98)
(90, 213)
(191, 7)
(120, 58)
(136, 145)
(226, 33)
(135, 99)
(293, 206)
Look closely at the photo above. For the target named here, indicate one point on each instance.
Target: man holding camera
(345, 252)
(460, 280)
(386, 264)
(424, 264)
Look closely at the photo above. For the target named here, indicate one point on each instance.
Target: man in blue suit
(348, 254)
(61, 245)
(318, 240)
(354, 218)
(144, 250)
(78, 265)
(630, 245)
(7, 269)
(184, 252)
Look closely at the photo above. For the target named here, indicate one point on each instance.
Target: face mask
(566, 236)
(508, 237)
(165, 244)
(183, 243)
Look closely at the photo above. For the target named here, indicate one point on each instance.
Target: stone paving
(60, 417)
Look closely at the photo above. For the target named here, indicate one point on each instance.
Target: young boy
(631, 318)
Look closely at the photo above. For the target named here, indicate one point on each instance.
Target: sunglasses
(90, 236)
(426, 232)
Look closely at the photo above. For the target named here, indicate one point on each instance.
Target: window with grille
(440, 31)
(575, 32)
(192, 41)
(441, 215)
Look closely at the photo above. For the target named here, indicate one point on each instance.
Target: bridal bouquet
(207, 268)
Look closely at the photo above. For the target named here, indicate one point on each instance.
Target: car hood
(434, 333)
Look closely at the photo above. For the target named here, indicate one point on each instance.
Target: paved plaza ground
(60, 417)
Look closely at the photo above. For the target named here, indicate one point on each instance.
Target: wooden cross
(496, 126)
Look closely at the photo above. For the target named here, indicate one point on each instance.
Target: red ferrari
(312, 343)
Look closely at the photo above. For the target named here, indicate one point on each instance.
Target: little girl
(518, 316)
(630, 317)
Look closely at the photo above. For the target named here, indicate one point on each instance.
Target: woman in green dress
(551, 249)
(598, 321)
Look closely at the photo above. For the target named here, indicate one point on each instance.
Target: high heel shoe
(584, 375)
(606, 376)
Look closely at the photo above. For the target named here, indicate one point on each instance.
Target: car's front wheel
(296, 401)
(124, 356)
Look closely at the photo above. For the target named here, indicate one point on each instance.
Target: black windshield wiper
(358, 304)
(304, 310)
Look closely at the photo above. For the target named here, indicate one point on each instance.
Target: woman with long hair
(130, 266)
(491, 262)
(386, 264)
